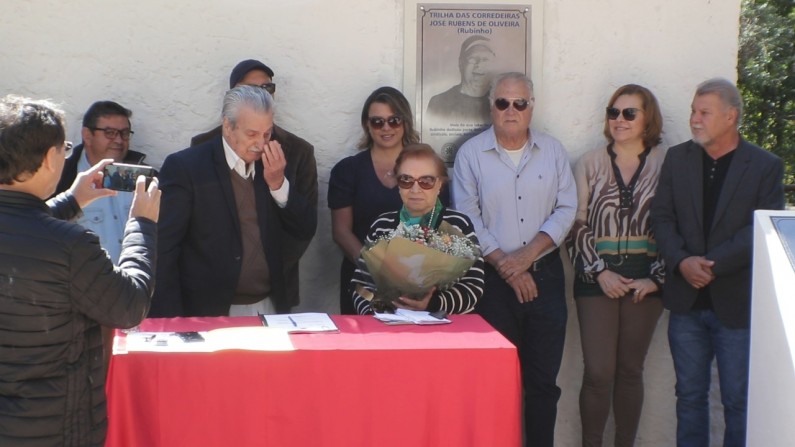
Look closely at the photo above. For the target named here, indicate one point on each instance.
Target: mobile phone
(122, 176)
(439, 314)
(189, 337)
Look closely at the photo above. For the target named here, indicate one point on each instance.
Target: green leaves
(766, 77)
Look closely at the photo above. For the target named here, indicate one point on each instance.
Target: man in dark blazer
(702, 217)
(227, 204)
(301, 166)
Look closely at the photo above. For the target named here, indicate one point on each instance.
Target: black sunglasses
(376, 122)
(269, 87)
(520, 104)
(630, 113)
(406, 181)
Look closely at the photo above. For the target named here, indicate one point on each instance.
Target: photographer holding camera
(57, 285)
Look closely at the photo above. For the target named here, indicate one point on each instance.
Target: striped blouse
(607, 235)
(460, 298)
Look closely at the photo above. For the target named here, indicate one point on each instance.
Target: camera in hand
(122, 177)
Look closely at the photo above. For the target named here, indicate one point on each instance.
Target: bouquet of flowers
(412, 259)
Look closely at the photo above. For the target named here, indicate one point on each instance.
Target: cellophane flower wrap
(413, 259)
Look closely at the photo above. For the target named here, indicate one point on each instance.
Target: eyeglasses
(111, 133)
(520, 104)
(270, 87)
(376, 122)
(630, 113)
(406, 181)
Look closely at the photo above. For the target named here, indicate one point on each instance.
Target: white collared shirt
(246, 171)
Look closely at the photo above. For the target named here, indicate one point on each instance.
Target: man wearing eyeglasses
(516, 186)
(106, 133)
(301, 165)
(58, 286)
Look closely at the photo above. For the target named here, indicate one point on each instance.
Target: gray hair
(726, 91)
(245, 95)
(513, 76)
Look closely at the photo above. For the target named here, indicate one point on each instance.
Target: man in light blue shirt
(516, 186)
(106, 133)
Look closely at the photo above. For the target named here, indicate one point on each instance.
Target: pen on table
(292, 321)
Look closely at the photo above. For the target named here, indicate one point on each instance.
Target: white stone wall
(169, 62)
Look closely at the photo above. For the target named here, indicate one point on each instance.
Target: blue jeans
(696, 338)
(538, 330)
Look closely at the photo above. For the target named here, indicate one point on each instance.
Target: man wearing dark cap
(301, 169)
(467, 102)
(249, 72)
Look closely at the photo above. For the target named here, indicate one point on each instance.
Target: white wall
(169, 61)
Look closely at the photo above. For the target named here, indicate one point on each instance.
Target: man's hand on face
(274, 163)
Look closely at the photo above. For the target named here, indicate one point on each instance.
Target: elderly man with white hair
(227, 204)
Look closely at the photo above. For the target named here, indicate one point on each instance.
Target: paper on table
(246, 338)
(303, 322)
(405, 316)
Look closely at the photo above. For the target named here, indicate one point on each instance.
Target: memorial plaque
(460, 47)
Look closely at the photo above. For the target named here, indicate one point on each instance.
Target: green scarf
(428, 220)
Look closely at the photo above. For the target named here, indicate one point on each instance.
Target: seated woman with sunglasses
(362, 186)
(420, 174)
(618, 269)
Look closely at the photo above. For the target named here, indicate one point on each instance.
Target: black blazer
(199, 240)
(754, 181)
(302, 171)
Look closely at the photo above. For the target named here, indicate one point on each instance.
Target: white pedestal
(771, 393)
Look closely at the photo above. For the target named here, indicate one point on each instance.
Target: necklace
(626, 202)
(384, 168)
(425, 221)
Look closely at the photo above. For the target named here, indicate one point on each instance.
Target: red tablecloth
(369, 385)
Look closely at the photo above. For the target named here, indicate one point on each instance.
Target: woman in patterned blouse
(619, 272)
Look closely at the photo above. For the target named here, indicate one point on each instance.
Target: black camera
(122, 177)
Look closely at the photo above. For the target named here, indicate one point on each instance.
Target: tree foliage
(766, 77)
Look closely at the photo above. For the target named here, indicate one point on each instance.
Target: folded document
(300, 323)
(404, 316)
(246, 338)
